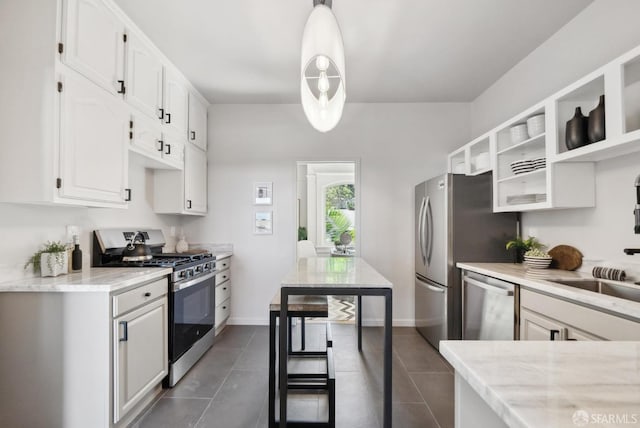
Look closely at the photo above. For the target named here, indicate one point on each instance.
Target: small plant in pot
(50, 260)
(521, 246)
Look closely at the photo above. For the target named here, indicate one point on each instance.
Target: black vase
(576, 135)
(596, 130)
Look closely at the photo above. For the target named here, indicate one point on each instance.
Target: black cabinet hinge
(58, 183)
(131, 124)
(124, 38)
(60, 48)
(59, 86)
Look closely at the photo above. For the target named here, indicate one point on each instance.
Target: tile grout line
(223, 381)
(425, 402)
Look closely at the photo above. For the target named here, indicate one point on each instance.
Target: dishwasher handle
(488, 287)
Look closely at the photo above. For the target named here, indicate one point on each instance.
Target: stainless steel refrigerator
(454, 222)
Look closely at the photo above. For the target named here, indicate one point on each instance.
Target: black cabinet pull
(188, 203)
(161, 110)
(122, 88)
(128, 195)
(161, 145)
(147, 294)
(224, 307)
(168, 118)
(224, 288)
(125, 331)
(168, 152)
(193, 135)
(552, 334)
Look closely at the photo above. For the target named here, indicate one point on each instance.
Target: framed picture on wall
(263, 223)
(263, 193)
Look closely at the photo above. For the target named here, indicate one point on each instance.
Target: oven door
(192, 313)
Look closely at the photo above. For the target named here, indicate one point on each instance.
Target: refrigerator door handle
(436, 289)
(429, 217)
(489, 288)
(421, 222)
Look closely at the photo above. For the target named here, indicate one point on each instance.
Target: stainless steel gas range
(191, 292)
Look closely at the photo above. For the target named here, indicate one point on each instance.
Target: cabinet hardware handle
(224, 307)
(125, 331)
(193, 135)
(147, 294)
(168, 118)
(188, 203)
(161, 110)
(122, 88)
(161, 149)
(572, 339)
(224, 288)
(552, 334)
(128, 195)
(168, 152)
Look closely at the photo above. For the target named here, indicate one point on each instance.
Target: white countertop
(543, 384)
(89, 280)
(541, 280)
(334, 272)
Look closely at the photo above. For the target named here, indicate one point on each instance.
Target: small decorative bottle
(597, 129)
(76, 255)
(576, 131)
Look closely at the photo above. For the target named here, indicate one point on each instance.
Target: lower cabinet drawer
(138, 296)
(223, 264)
(223, 292)
(222, 311)
(222, 276)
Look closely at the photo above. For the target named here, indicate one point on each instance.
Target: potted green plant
(50, 260)
(521, 246)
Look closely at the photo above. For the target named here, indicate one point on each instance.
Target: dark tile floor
(228, 386)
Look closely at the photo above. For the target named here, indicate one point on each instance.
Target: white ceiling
(248, 51)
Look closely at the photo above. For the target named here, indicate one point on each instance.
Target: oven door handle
(182, 285)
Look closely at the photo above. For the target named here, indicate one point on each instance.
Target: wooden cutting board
(565, 257)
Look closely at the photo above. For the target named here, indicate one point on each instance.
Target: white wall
(398, 145)
(603, 31)
(23, 228)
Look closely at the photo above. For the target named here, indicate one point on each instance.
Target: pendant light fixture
(322, 85)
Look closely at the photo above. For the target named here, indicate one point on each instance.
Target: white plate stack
(539, 163)
(532, 262)
(522, 166)
(535, 125)
(519, 133)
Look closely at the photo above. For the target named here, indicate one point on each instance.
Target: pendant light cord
(324, 2)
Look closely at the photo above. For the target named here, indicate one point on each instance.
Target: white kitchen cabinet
(144, 83)
(176, 102)
(183, 192)
(223, 293)
(94, 42)
(540, 314)
(140, 353)
(158, 150)
(94, 131)
(197, 122)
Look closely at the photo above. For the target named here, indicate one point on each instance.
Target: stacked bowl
(534, 262)
(539, 163)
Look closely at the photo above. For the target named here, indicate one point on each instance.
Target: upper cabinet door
(197, 122)
(94, 38)
(94, 131)
(195, 180)
(176, 102)
(144, 78)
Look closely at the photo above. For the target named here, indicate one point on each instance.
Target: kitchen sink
(622, 291)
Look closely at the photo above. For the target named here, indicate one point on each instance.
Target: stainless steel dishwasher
(489, 308)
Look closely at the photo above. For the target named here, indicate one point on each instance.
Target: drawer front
(222, 276)
(139, 296)
(223, 264)
(222, 311)
(223, 292)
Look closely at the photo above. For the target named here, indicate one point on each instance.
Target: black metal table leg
(388, 304)
(359, 321)
(272, 368)
(302, 334)
(290, 339)
(283, 356)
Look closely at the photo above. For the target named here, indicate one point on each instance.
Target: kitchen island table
(341, 276)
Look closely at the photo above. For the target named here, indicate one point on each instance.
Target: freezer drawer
(489, 308)
(431, 311)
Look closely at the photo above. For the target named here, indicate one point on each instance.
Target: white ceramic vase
(54, 264)
(182, 245)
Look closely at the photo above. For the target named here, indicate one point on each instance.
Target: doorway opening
(328, 219)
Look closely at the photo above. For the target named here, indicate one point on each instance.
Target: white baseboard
(375, 322)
